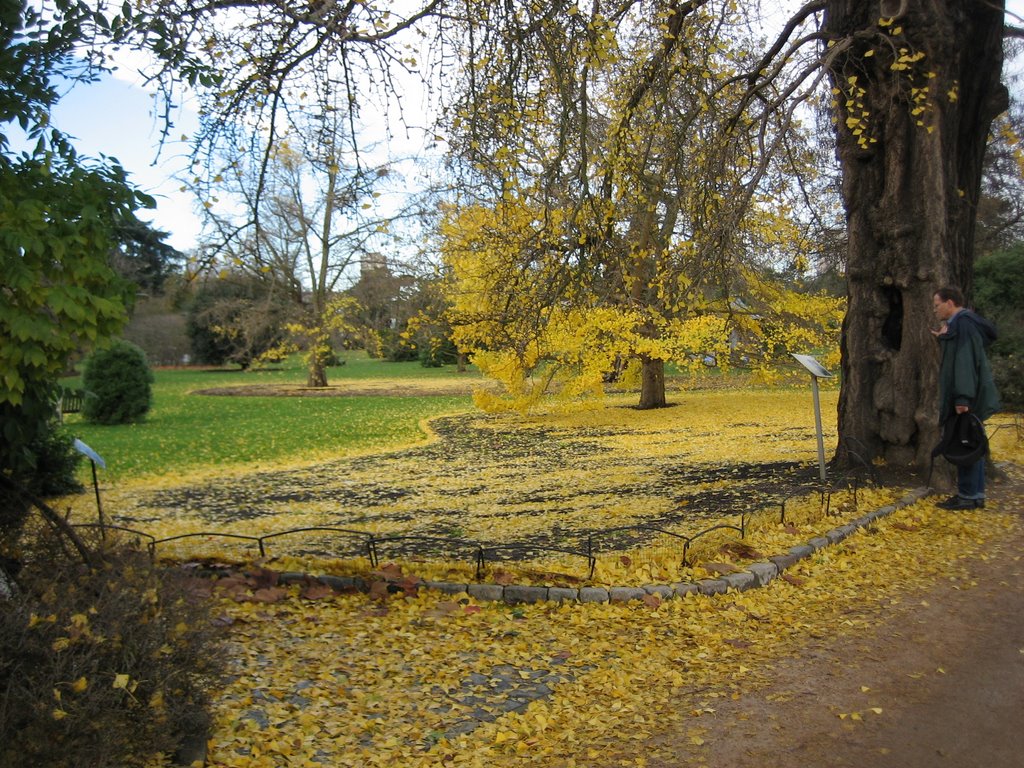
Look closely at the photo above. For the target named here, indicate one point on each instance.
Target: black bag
(963, 440)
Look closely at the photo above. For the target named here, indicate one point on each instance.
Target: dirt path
(940, 682)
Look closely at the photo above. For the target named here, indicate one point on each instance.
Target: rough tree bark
(316, 374)
(652, 383)
(910, 197)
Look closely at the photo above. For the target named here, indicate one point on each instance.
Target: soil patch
(940, 681)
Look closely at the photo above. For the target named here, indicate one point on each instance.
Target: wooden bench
(71, 401)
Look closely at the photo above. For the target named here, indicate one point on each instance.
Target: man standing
(965, 383)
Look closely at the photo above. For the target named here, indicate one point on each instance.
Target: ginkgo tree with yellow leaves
(623, 217)
(916, 90)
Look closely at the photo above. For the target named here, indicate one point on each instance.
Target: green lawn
(186, 431)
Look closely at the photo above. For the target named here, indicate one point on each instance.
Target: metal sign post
(817, 372)
(94, 459)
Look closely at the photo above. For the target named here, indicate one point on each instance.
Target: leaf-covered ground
(500, 479)
(325, 679)
(556, 480)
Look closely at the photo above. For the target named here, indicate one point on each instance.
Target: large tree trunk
(652, 383)
(911, 182)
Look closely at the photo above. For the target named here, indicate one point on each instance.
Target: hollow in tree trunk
(912, 131)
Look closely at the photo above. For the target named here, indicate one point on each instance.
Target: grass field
(186, 431)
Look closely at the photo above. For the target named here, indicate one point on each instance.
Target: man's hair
(951, 293)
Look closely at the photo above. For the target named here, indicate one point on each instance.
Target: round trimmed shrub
(117, 383)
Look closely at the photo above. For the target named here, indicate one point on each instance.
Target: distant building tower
(373, 263)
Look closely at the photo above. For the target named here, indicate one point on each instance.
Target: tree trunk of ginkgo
(316, 376)
(652, 383)
(316, 368)
(912, 131)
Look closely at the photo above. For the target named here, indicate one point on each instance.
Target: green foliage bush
(394, 348)
(1008, 371)
(117, 381)
(999, 296)
(55, 463)
(36, 453)
(101, 666)
(235, 320)
(436, 352)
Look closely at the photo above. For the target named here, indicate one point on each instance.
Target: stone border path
(756, 575)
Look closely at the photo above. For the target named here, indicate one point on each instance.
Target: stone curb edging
(754, 576)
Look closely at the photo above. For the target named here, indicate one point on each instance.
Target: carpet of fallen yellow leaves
(441, 680)
(324, 679)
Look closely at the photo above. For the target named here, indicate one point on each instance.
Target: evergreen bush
(999, 296)
(436, 352)
(1008, 371)
(117, 382)
(394, 349)
(36, 453)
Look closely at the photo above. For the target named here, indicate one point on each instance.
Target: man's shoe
(959, 502)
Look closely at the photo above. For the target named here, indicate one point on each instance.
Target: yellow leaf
(80, 684)
(121, 681)
(877, 710)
